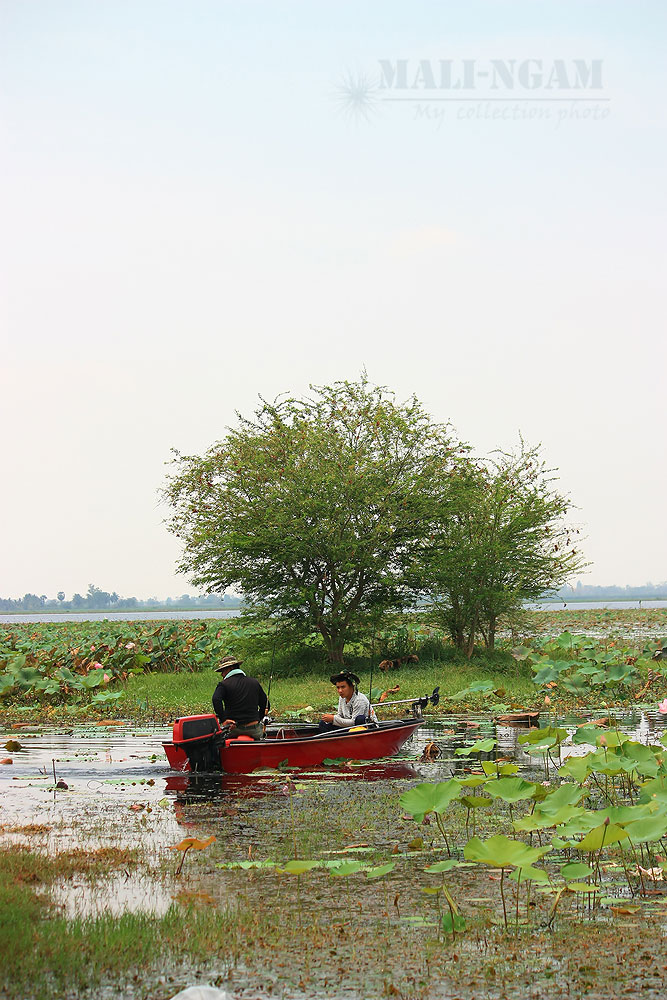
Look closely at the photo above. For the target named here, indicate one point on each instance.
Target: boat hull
(304, 751)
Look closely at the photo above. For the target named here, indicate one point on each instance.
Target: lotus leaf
(491, 767)
(480, 686)
(654, 790)
(576, 684)
(479, 746)
(475, 801)
(530, 874)
(193, 843)
(628, 814)
(453, 923)
(502, 852)
(547, 675)
(645, 758)
(575, 869)
(619, 673)
(584, 822)
(590, 670)
(601, 836)
(541, 820)
(510, 789)
(429, 797)
(648, 830)
(567, 794)
(297, 867)
(588, 734)
(577, 767)
(380, 870)
(549, 736)
(474, 781)
(560, 844)
(27, 677)
(442, 866)
(346, 868)
(612, 738)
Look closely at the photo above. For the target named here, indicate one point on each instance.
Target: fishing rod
(418, 704)
(268, 693)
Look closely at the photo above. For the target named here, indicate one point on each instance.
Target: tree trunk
(334, 641)
(456, 635)
(491, 634)
(336, 652)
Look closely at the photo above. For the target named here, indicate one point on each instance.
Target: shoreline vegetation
(98, 601)
(154, 670)
(292, 881)
(157, 608)
(237, 605)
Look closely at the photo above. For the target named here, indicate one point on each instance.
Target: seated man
(354, 708)
(239, 701)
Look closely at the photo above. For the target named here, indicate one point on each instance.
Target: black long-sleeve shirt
(240, 698)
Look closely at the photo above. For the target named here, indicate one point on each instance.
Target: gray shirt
(349, 710)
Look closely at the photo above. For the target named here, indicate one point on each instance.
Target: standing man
(239, 701)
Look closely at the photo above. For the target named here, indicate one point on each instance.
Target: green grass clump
(166, 695)
(45, 955)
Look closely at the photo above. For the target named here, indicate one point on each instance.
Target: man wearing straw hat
(239, 701)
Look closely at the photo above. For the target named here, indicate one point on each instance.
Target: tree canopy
(504, 541)
(330, 511)
(320, 510)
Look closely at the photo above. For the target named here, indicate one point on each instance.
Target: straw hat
(226, 663)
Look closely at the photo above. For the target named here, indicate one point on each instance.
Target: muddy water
(121, 793)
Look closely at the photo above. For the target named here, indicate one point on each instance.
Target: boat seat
(239, 739)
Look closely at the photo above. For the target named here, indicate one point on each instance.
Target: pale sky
(193, 214)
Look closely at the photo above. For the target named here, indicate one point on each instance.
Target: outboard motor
(200, 736)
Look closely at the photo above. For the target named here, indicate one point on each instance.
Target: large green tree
(503, 539)
(317, 509)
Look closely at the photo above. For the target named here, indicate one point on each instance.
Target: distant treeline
(587, 592)
(97, 599)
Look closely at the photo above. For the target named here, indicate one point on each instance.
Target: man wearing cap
(354, 708)
(239, 701)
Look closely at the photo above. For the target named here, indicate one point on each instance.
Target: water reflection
(259, 784)
(121, 793)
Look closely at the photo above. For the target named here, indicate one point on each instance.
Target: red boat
(199, 744)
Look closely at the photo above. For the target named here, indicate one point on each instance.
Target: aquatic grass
(38, 658)
(35, 868)
(169, 695)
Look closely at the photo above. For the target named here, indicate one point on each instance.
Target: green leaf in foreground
(429, 797)
(601, 836)
(575, 869)
(453, 923)
(530, 874)
(479, 746)
(510, 789)
(346, 868)
(501, 852)
(442, 866)
(297, 867)
(380, 870)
